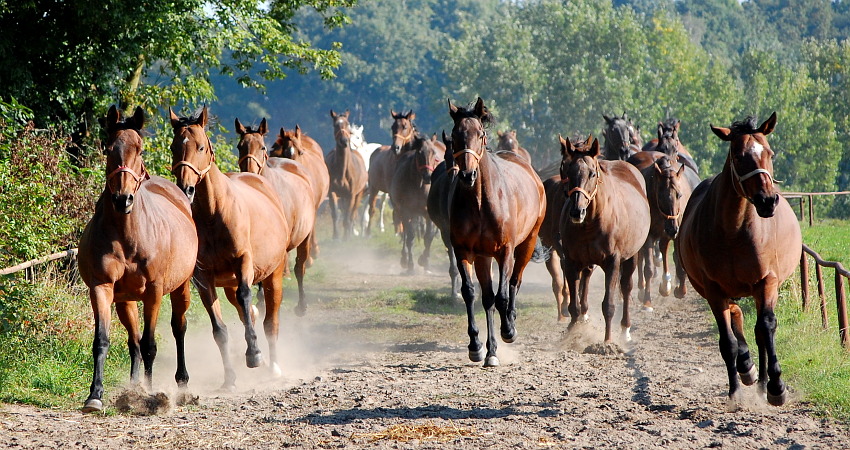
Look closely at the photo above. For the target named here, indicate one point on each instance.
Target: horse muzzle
(765, 204)
(671, 228)
(468, 177)
(577, 215)
(189, 191)
(123, 202)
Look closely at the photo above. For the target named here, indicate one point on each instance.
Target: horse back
(408, 191)
(555, 199)
(291, 180)
(382, 165)
(157, 244)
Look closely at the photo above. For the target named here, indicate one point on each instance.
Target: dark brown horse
(305, 150)
(442, 179)
(348, 176)
(508, 142)
(139, 245)
(291, 181)
(234, 215)
(740, 238)
(383, 162)
(668, 143)
(549, 237)
(409, 191)
(496, 208)
(668, 191)
(620, 138)
(604, 223)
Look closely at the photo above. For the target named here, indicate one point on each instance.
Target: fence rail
(803, 196)
(840, 296)
(52, 257)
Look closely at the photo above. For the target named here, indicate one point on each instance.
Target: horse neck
(210, 193)
(731, 210)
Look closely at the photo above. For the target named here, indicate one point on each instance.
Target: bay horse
(496, 207)
(139, 245)
(668, 191)
(508, 142)
(620, 137)
(739, 238)
(366, 149)
(668, 143)
(442, 179)
(291, 181)
(384, 160)
(604, 223)
(234, 215)
(348, 175)
(410, 187)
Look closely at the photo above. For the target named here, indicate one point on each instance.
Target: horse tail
(541, 252)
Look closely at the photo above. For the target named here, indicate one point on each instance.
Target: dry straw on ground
(405, 433)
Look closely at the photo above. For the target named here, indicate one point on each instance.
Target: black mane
(746, 126)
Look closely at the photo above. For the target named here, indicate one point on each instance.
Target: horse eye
(264, 148)
(201, 148)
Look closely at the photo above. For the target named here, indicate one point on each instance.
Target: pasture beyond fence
(810, 196)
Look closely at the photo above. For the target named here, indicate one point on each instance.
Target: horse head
(670, 187)
(750, 162)
(356, 140)
(191, 150)
(403, 130)
(124, 166)
(288, 144)
(668, 138)
(342, 135)
(425, 156)
(617, 137)
(469, 139)
(634, 136)
(581, 173)
(507, 141)
(252, 147)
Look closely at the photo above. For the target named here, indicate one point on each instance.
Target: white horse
(358, 143)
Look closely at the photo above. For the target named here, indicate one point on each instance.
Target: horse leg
(744, 364)
(384, 197)
(333, 201)
(430, 232)
(488, 300)
(728, 346)
(467, 290)
(407, 252)
(128, 314)
(101, 302)
(681, 288)
(302, 255)
(645, 272)
(253, 355)
(206, 290)
(627, 268)
(180, 299)
(273, 285)
(553, 265)
(584, 282)
(612, 276)
(454, 273)
(666, 285)
(766, 295)
(571, 275)
(150, 310)
(373, 198)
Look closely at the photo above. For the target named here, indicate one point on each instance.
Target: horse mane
(194, 118)
(747, 126)
(487, 119)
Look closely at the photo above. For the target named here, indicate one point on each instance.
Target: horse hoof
(627, 334)
(477, 355)
(510, 336)
(254, 361)
(777, 400)
(647, 307)
(491, 361)
(680, 293)
(276, 372)
(92, 405)
(300, 310)
(665, 287)
(750, 377)
(584, 318)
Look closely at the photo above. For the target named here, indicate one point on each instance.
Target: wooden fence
(52, 257)
(810, 196)
(840, 296)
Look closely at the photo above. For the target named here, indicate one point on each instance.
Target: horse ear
(434, 137)
(238, 127)
(411, 115)
(138, 118)
(393, 114)
(500, 133)
(447, 140)
(768, 125)
(724, 134)
(297, 131)
(480, 109)
(202, 121)
(263, 128)
(112, 118)
(282, 132)
(452, 109)
(333, 114)
(175, 121)
(625, 117)
(607, 119)
(594, 148)
(513, 132)
(346, 113)
(681, 170)
(566, 147)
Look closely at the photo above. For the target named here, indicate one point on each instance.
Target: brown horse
(383, 162)
(740, 238)
(409, 191)
(549, 237)
(348, 176)
(668, 143)
(496, 207)
(233, 215)
(508, 142)
(621, 138)
(442, 178)
(292, 182)
(604, 223)
(140, 244)
(668, 191)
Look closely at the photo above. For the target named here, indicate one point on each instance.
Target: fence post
(840, 298)
(804, 279)
(811, 211)
(824, 314)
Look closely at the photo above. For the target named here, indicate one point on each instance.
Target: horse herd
(617, 207)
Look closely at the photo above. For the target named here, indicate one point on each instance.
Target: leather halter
(124, 169)
(738, 180)
(405, 138)
(260, 164)
(472, 152)
(589, 195)
(201, 173)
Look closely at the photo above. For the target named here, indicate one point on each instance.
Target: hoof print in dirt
(186, 399)
(142, 404)
(604, 349)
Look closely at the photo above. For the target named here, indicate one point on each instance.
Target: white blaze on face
(185, 140)
(757, 149)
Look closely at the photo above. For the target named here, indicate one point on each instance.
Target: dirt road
(380, 358)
